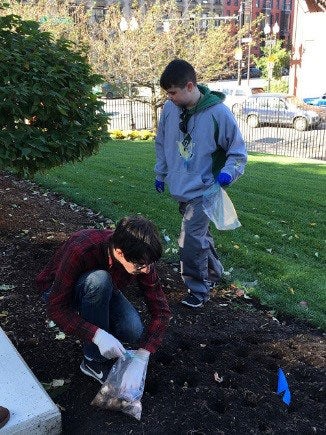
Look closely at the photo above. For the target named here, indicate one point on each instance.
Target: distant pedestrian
(198, 143)
(83, 285)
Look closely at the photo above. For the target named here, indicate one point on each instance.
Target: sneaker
(192, 301)
(95, 369)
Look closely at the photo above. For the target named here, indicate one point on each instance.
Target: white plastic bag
(112, 397)
(219, 208)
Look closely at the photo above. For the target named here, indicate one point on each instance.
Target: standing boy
(198, 143)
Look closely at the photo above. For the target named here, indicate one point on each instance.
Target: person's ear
(118, 254)
(190, 86)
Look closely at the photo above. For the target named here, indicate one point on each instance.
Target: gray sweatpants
(198, 259)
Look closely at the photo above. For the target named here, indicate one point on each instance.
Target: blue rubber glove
(159, 186)
(223, 179)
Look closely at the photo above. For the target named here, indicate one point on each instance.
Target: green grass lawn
(278, 254)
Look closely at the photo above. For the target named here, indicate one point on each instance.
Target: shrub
(48, 113)
(117, 134)
(132, 134)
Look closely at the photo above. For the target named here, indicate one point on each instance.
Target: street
(127, 115)
(286, 140)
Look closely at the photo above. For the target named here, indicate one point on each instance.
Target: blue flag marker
(282, 387)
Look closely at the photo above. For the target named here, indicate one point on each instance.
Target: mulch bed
(216, 371)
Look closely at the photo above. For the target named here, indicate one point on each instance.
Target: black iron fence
(128, 114)
(266, 138)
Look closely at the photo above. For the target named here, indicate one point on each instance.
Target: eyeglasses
(139, 267)
(184, 117)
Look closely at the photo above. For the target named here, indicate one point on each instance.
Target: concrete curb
(31, 409)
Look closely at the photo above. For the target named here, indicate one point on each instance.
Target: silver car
(278, 109)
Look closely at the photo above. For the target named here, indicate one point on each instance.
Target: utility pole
(238, 55)
(249, 20)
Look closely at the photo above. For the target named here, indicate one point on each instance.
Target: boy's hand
(223, 179)
(133, 376)
(108, 345)
(159, 186)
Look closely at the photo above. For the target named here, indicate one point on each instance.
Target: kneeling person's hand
(108, 345)
(133, 376)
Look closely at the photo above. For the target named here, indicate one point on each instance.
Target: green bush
(48, 113)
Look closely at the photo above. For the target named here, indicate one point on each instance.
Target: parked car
(278, 109)
(234, 97)
(254, 73)
(316, 101)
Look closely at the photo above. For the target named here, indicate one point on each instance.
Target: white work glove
(133, 376)
(108, 345)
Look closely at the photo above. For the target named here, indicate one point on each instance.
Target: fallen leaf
(57, 383)
(3, 313)
(218, 378)
(5, 287)
(291, 290)
(236, 246)
(246, 296)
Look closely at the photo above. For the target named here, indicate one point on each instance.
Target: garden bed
(216, 371)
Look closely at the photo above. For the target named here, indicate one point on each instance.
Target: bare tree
(133, 50)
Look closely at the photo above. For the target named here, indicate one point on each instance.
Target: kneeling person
(82, 286)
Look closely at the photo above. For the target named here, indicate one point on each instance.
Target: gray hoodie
(189, 162)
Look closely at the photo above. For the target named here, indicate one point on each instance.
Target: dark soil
(232, 337)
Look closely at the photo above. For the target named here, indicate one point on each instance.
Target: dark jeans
(100, 304)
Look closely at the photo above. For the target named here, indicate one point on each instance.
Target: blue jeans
(99, 303)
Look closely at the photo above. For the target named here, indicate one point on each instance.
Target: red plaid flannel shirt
(84, 251)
